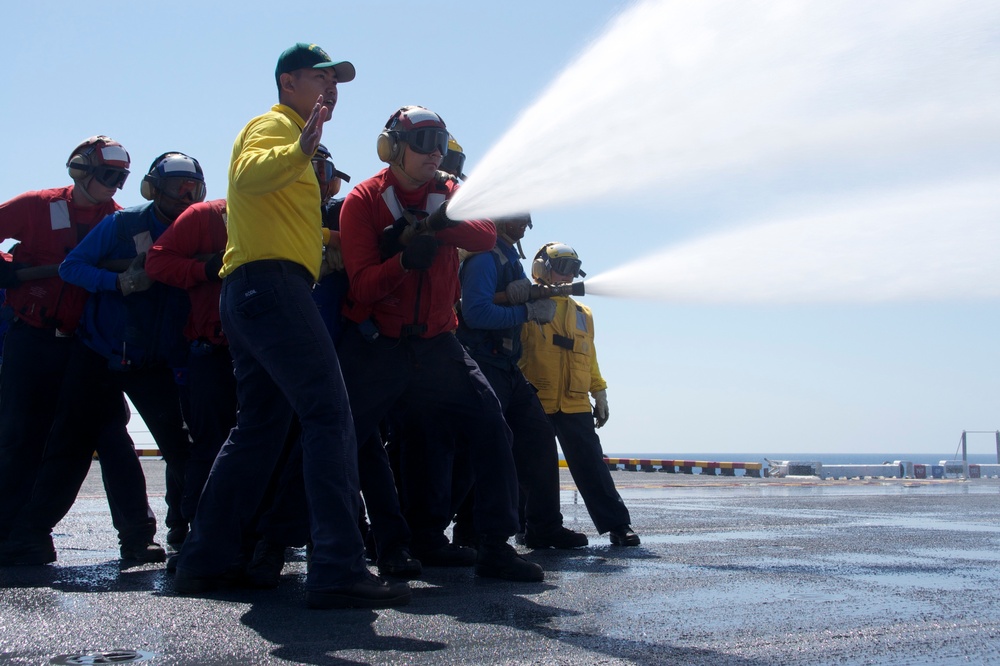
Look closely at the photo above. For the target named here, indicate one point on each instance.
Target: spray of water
(936, 244)
(680, 94)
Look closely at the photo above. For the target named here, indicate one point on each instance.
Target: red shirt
(383, 290)
(48, 225)
(199, 230)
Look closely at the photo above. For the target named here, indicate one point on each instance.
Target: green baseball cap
(310, 56)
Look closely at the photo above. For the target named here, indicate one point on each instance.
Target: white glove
(601, 412)
(518, 291)
(333, 261)
(542, 310)
(135, 278)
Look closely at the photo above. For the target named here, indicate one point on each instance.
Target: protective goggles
(107, 176)
(426, 141)
(326, 171)
(565, 266)
(453, 163)
(182, 189)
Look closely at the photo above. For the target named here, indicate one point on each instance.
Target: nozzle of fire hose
(540, 291)
(548, 291)
(439, 219)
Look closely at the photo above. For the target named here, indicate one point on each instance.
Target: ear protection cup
(388, 147)
(147, 188)
(539, 271)
(79, 165)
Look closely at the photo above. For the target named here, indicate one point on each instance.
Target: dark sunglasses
(110, 176)
(183, 189)
(426, 141)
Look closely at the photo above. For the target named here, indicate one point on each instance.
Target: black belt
(40, 331)
(412, 330)
(282, 266)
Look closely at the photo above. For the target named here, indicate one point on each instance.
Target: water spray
(938, 244)
(786, 105)
(736, 92)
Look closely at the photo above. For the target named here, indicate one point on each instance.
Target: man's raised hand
(313, 131)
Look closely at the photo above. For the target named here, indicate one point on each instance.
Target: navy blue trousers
(211, 415)
(425, 484)
(535, 453)
(91, 414)
(285, 364)
(436, 377)
(582, 449)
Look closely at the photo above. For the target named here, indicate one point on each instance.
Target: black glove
(8, 274)
(439, 219)
(389, 244)
(213, 266)
(419, 254)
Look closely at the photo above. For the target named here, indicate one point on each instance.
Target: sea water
(825, 458)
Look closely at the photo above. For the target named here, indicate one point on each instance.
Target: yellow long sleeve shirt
(560, 360)
(274, 196)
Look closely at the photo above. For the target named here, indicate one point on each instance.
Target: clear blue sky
(685, 377)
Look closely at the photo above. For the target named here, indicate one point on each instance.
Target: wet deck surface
(731, 571)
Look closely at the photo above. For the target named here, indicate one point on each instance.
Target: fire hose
(537, 291)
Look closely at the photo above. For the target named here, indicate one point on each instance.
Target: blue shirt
(131, 331)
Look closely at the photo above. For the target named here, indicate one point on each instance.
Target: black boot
(561, 537)
(498, 559)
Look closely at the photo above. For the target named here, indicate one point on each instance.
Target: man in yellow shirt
(559, 359)
(284, 359)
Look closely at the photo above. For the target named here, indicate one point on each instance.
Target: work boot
(367, 592)
(624, 536)
(264, 570)
(561, 537)
(172, 561)
(448, 555)
(176, 536)
(462, 534)
(27, 552)
(498, 559)
(187, 584)
(399, 563)
(143, 552)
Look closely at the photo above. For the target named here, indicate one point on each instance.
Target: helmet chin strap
(82, 186)
(510, 241)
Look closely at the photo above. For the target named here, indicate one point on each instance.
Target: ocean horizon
(978, 458)
(825, 458)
